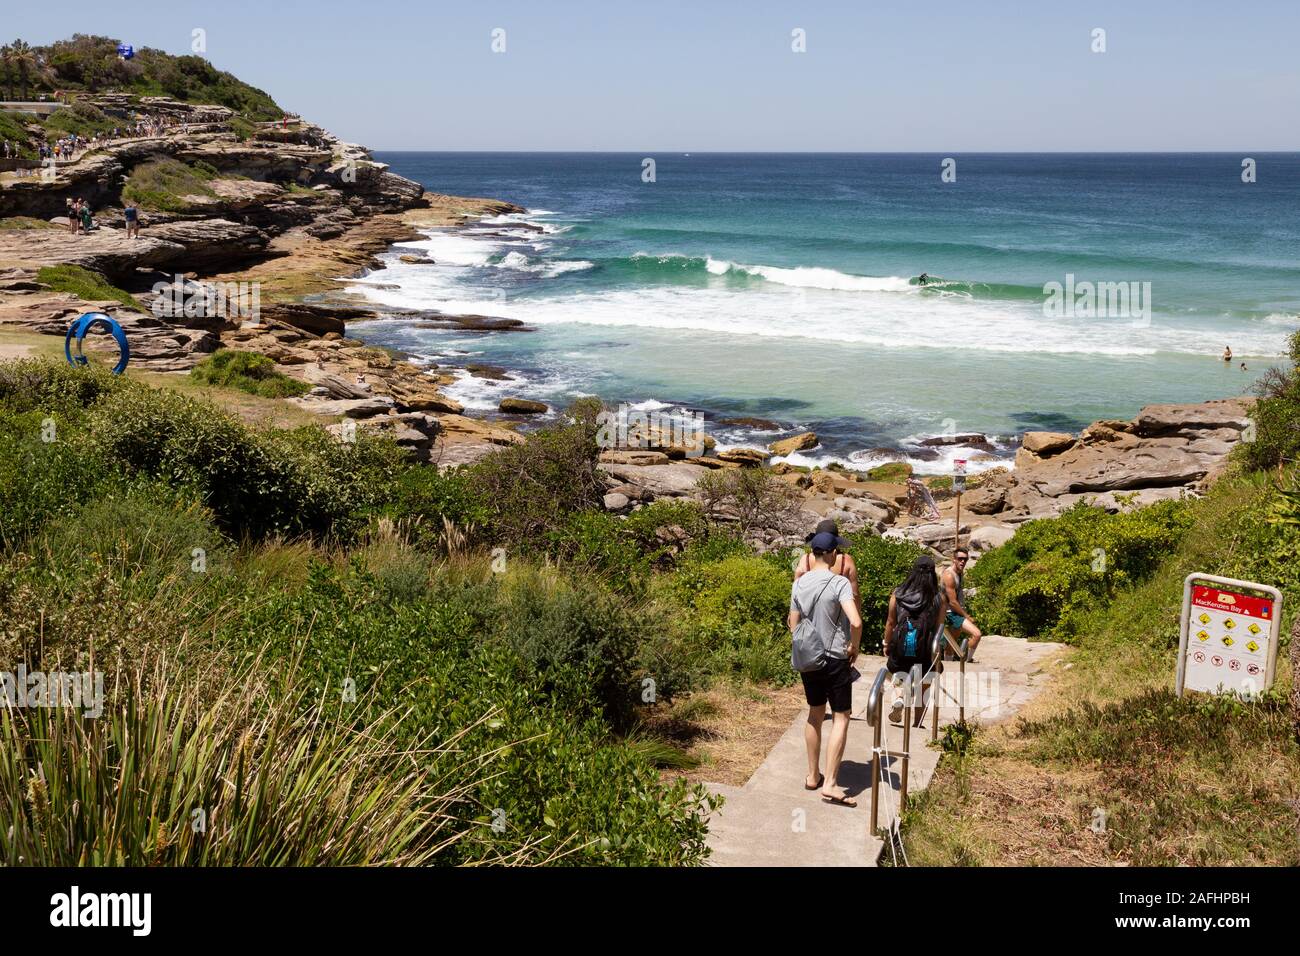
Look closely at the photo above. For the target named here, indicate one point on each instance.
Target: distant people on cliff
(825, 634)
(958, 618)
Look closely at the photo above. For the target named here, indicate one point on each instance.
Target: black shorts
(834, 682)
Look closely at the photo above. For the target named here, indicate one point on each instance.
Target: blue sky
(721, 75)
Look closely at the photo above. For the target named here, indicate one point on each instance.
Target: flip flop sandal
(845, 800)
(821, 779)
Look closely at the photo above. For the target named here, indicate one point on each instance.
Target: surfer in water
(1227, 353)
(923, 278)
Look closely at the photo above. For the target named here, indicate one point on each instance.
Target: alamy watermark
(1102, 300)
(26, 689)
(631, 428)
(224, 300)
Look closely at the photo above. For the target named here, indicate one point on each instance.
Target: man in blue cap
(826, 598)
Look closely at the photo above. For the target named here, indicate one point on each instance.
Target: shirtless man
(958, 618)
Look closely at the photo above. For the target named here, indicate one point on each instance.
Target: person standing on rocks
(958, 618)
(827, 600)
(132, 216)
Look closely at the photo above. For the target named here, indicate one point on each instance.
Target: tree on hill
(91, 63)
(23, 60)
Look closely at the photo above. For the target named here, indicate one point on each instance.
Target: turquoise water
(784, 286)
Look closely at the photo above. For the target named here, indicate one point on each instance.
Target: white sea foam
(813, 277)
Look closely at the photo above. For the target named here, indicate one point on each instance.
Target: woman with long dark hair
(916, 607)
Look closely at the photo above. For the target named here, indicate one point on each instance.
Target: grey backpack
(807, 649)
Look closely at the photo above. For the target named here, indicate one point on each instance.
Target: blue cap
(825, 541)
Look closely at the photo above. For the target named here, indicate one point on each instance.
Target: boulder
(972, 438)
(522, 406)
(1046, 444)
(746, 457)
(349, 408)
(989, 536)
(473, 431)
(611, 457)
(672, 480)
(1156, 420)
(788, 446)
(616, 502)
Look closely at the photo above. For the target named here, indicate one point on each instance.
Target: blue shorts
(955, 620)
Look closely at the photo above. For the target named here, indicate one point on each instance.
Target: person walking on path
(958, 618)
(915, 610)
(824, 614)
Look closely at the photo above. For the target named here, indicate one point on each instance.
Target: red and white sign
(1227, 640)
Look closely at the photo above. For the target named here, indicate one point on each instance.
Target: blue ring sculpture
(83, 325)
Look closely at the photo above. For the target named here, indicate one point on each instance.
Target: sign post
(1228, 637)
(958, 485)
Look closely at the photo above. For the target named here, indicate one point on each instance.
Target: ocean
(785, 287)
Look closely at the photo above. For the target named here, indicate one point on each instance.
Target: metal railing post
(911, 686)
(961, 711)
(874, 712)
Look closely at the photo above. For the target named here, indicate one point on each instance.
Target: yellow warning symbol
(1254, 628)
(1229, 623)
(1252, 647)
(1227, 641)
(1203, 635)
(1204, 618)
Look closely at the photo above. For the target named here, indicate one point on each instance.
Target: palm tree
(6, 60)
(24, 57)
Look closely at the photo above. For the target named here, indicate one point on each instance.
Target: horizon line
(838, 152)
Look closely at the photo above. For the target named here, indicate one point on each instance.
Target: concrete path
(773, 821)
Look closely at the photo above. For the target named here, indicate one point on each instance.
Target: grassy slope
(1199, 782)
(86, 284)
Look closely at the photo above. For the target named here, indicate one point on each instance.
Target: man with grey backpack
(826, 631)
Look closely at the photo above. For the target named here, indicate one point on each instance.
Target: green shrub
(753, 497)
(599, 542)
(536, 485)
(42, 479)
(557, 778)
(659, 527)
(424, 502)
(86, 284)
(146, 531)
(55, 388)
(1276, 416)
(171, 778)
(248, 372)
(256, 483)
(737, 610)
(1055, 570)
(165, 185)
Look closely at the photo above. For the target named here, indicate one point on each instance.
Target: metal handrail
(874, 700)
(913, 688)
